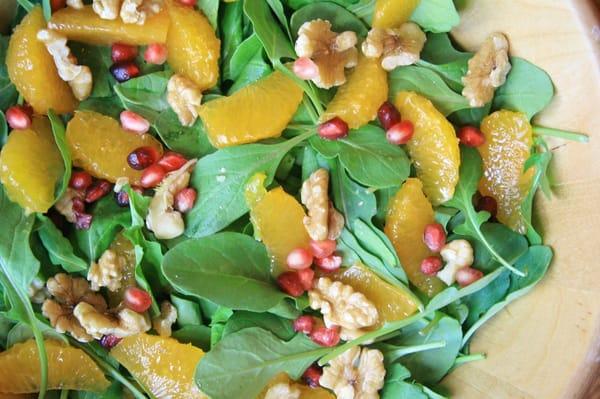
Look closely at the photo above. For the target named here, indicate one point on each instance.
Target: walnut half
(283, 390)
(97, 324)
(184, 97)
(397, 47)
(163, 323)
(323, 221)
(108, 272)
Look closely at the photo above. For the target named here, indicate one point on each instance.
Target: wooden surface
(547, 345)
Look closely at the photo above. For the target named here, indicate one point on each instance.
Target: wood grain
(547, 345)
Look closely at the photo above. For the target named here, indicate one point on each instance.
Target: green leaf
(243, 55)
(255, 69)
(439, 50)
(8, 92)
(58, 130)
(210, 8)
(282, 328)
(274, 40)
(482, 300)
(3, 129)
(231, 35)
(217, 324)
(244, 362)
(196, 335)
(59, 248)
(436, 15)
(540, 160)
(98, 59)
(341, 19)
(402, 390)
(188, 311)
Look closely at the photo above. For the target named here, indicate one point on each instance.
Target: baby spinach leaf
(243, 54)
(190, 141)
(274, 40)
(109, 106)
(436, 15)
(219, 179)
(217, 324)
(147, 91)
(277, 8)
(245, 361)
(197, 335)
(282, 328)
(482, 300)
(210, 8)
(470, 116)
(58, 130)
(8, 92)
(363, 9)
(188, 311)
(341, 19)
(439, 50)
(350, 198)
(98, 59)
(59, 248)
(231, 34)
(402, 390)
(255, 69)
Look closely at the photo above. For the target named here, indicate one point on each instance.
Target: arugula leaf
(341, 19)
(482, 300)
(274, 40)
(436, 15)
(8, 92)
(282, 328)
(58, 130)
(231, 35)
(255, 69)
(210, 8)
(277, 8)
(243, 55)
(540, 160)
(244, 362)
(59, 248)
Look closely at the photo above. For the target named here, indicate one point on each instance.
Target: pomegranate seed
(290, 283)
(191, 3)
(471, 136)
(467, 275)
(322, 249)
(123, 52)
(109, 341)
(171, 161)
(18, 118)
(400, 133)
(434, 237)
(306, 277)
(431, 265)
(333, 129)
(152, 176)
(142, 157)
(326, 336)
(156, 53)
(330, 263)
(304, 324)
(137, 299)
(134, 122)
(56, 5)
(299, 259)
(78, 205)
(83, 221)
(312, 375)
(80, 180)
(305, 68)
(122, 199)
(488, 204)
(123, 71)
(185, 199)
(388, 115)
(97, 191)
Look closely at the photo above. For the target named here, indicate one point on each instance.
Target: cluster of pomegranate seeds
(143, 157)
(109, 341)
(487, 204)
(80, 180)
(185, 199)
(137, 299)
(431, 265)
(171, 161)
(120, 52)
(329, 263)
(333, 129)
(56, 5)
(305, 68)
(322, 249)
(326, 336)
(98, 190)
(83, 220)
(18, 117)
(156, 53)
(471, 136)
(290, 283)
(397, 131)
(468, 275)
(312, 375)
(299, 258)
(134, 122)
(304, 324)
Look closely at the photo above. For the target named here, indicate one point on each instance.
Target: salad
(259, 199)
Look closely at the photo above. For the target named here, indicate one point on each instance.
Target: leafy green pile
(217, 275)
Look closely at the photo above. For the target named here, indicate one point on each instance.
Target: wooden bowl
(547, 344)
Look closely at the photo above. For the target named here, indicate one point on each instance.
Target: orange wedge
(393, 13)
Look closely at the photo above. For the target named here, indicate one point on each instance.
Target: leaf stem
(464, 359)
(396, 354)
(26, 4)
(64, 394)
(561, 134)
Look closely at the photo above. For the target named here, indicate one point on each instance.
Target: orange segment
(163, 365)
(508, 141)
(193, 47)
(258, 111)
(433, 148)
(99, 145)
(408, 214)
(32, 70)
(87, 27)
(306, 392)
(68, 368)
(357, 102)
(30, 166)
(393, 13)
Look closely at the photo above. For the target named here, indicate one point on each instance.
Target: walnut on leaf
(397, 47)
(36, 291)
(332, 52)
(163, 323)
(107, 9)
(184, 97)
(457, 254)
(323, 221)
(356, 373)
(124, 323)
(131, 13)
(108, 271)
(487, 70)
(283, 390)
(341, 306)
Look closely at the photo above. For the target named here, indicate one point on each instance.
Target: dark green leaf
(341, 19)
(188, 311)
(540, 160)
(58, 130)
(274, 40)
(481, 301)
(255, 69)
(243, 54)
(231, 34)
(197, 335)
(59, 248)
(217, 324)
(8, 92)
(210, 8)
(3, 129)
(98, 59)
(282, 328)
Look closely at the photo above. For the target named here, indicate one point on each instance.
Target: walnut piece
(107, 9)
(356, 373)
(323, 221)
(184, 97)
(37, 291)
(68, 292)
(108, 272)
(332, 52)
(162, 219)
(283, 390)
(487, 70)
(76, 4)
(125, 323)
(163, 323)
(457, 254)
(400, 46)
(341, 306)
(79, 77)
(131, 14)
(64, 205)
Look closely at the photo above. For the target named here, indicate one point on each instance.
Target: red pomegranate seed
(122, 199)
(304, 324)
(185, 199)
(78, 205)
(56, 5)
(322, 249)
(156, 53)
(333, 129)
(388, 115)
(97, 191)
(123, 52)
(143, 157)
(171, 161)
(434, 236)
(471, 136)
(134, 122)
(400, 133)
(312, 375)
(190, 3)
(299, 258)
(18, 118)
(330, 263)
(109, 341)
(290, 283)
(467, 275)
(431, 265)
(488, 204)
(305, 68)
(306, 277)
(152, 176)
(326, 336)
(137, 299)
(80, 180)
(123, 71)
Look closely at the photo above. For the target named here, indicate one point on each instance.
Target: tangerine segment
(86, 26)
(193, 47)
(391, 302)
(408, 214)
(32, 70)
(357, 102)
(433, 148)
(306, 392)
(163, 365)
(30, 166)
(68, 368)
(393, 13)
(278, 221)
(99, 145)
(508, 141)
(258, 111)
